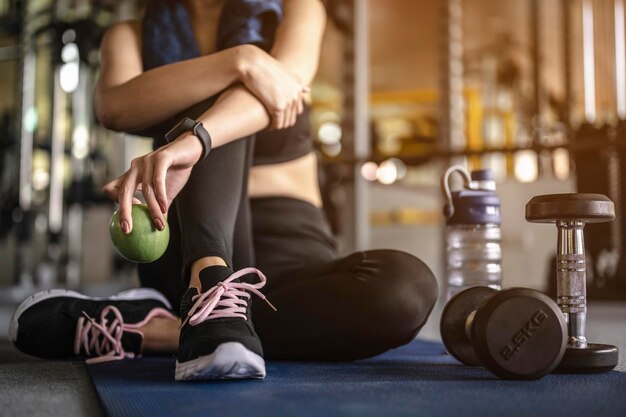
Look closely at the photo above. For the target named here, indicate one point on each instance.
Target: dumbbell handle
(571, 279)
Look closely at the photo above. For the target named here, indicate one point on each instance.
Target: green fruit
(145, 243)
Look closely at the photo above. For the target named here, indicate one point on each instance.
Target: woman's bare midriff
(295, 179)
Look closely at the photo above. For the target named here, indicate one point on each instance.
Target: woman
(206, 61)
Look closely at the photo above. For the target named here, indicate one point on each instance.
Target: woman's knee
(407, 286)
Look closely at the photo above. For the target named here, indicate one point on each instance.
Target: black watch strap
(190, 125)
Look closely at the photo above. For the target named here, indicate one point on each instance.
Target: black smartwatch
(190, 125)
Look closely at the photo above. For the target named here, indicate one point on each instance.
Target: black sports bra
(275, 146)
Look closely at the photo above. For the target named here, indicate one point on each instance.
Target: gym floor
(32, 387)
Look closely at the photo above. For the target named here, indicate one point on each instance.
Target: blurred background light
(69, 53)
(526, 169)
(390, 171)
(561, 163)
(80, 142)
(329, 133)
(30, 119)
(68, 36)
(69, 77)
(368, 170)
(41, 179)
(332, 150)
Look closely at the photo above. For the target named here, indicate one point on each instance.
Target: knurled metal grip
(571, 288)
(570, 267)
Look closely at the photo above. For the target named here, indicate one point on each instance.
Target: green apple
(145, 243)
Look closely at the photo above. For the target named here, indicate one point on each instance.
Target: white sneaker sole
(231, 360)
(132, 294)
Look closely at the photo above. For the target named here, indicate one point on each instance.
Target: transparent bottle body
(473, 257)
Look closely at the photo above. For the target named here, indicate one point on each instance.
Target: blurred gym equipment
(54, 166)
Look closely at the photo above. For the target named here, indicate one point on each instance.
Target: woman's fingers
(296, 109)
(290, 116)
(149, 195)
(287, 117)
(111, 189)
(293, 113)
(162, 164)
(279, 117)
(300, 105)
(125, 193)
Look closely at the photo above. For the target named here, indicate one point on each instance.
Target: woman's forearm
(158, 94)
(153, 96)
(236, 114)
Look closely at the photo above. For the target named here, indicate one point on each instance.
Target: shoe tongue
(210, 276)
(187, 301)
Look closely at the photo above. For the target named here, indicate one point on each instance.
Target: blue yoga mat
(418, 379)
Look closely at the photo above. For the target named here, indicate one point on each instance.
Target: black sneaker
(62, 323)
(217, 338)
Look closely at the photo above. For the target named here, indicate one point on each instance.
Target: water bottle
(473, 252)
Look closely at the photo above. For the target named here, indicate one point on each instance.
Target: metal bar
(452, 116)
(620, 59)
(57, 157)
(451, 110)
(80, 148)
(614, 163)
(25, 103)
(26, 107)
(355, 126)
(361, 122)
(589, 72)
(535, 35)
(567, 60)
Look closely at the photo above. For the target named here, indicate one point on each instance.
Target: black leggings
(332, 308)
(329, 308)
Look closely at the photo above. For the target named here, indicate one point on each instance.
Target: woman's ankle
(160, 335)
(199, 265)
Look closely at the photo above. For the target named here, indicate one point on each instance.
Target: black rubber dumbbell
(571, 212)
(517, 333)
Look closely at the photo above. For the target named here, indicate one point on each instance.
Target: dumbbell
(570, 212)
(517, 333)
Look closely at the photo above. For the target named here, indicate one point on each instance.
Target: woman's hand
(159, 175)
(278, 89)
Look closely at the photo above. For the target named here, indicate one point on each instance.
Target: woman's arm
(297, 49)
(299, 37)
(128, 99)
(237, 113)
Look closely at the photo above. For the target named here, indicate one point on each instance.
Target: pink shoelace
(103, 340)
(231, 296)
